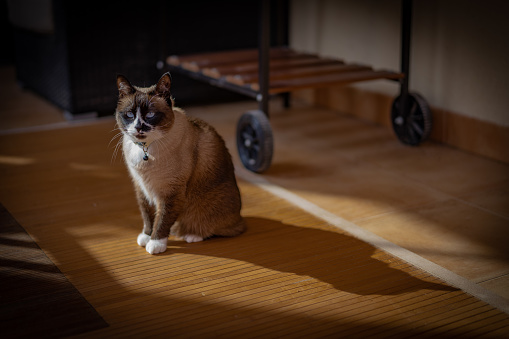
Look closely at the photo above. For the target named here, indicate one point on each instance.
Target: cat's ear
(124, 86)
(163, 85)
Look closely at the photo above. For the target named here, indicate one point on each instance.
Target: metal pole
(263, 58)
(406, 30)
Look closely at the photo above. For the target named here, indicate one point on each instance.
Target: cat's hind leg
(177, 230)
(182, 230)
(233, 229)
(192, 238)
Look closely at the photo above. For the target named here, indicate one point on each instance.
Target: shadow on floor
(340, 260)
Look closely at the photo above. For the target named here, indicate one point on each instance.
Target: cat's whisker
(119, 134)
(117, 147)
(118, 130)
(115, 150)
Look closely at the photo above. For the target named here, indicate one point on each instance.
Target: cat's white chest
(141, 170)
(133, 154)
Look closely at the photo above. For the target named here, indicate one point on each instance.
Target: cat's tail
(232, 230)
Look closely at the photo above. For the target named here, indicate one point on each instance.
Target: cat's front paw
(156, 246)
(143, 239)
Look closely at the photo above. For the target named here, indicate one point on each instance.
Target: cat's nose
(140, 128)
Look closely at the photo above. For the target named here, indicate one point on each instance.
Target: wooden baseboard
(469, 134)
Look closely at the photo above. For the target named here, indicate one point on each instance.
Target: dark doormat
(36, 299)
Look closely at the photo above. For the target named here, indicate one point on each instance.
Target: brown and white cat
(182, 172)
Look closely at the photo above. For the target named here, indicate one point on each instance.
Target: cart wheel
(254, 141)
(414, 126)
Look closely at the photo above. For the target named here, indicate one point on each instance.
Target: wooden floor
(447, 206)
(290, 275)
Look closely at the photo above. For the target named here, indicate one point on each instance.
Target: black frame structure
(411, 117)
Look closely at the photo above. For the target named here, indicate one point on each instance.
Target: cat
(182, 172)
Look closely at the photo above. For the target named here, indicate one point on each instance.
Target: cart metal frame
(410, 115)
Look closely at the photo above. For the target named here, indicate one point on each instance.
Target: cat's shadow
(342, 261)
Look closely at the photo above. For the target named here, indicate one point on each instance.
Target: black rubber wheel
(414, 126)
(255, 143)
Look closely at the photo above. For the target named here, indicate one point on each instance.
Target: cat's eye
(129, 115)
(150, 115)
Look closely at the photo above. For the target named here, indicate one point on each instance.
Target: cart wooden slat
(296, 60)
(282, 86)
(289, 69)
(197, 61)
(298, 72)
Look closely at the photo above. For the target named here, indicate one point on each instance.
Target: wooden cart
(264, 72)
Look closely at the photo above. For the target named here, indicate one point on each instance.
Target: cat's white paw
(156, 246)
(143, 239)
(192, 238)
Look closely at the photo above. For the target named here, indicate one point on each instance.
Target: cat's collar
(144, 146)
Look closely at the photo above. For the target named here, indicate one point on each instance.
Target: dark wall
(6, 36)
(200, 26)
(76, 65)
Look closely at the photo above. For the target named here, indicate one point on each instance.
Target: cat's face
(144, 114)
